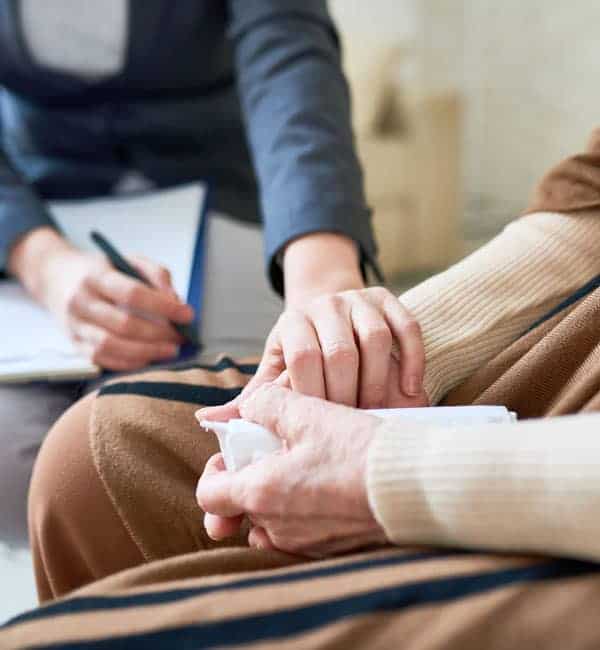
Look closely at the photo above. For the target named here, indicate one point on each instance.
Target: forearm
(297, 111)
(527, 487)
(320, 263)
(478, 307)
(31, 256)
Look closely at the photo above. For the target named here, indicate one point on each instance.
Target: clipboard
(168, 226)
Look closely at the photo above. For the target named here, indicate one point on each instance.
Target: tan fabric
(478, 307)
(531, 486)
(573, 185)
(140, 443)
(415, 600)
(115, 479)
(67, 482)
(139, 470)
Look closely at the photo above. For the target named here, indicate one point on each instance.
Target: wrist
(33, 254)
(320, 263)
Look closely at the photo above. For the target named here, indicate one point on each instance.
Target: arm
(335, 339)
(296, 104)
(527, 487)
(478, 307)
(21, 210)
(524, 487)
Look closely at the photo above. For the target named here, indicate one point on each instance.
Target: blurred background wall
(524, 73)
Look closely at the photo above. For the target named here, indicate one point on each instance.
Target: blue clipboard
(195, 295)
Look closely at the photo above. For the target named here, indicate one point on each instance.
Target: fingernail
(413, 386)
(202, 414)
(171, 350)
(185, 312)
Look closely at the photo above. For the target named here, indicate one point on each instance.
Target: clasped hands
(310, 498)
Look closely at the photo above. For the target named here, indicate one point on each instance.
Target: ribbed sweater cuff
(478, 307)
(529, 486)
(395, 489)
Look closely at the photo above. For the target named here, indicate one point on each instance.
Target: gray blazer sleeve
(297, 110)
(21, 210)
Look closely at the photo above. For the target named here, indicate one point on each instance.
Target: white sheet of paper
(162, 226)
(32, 345)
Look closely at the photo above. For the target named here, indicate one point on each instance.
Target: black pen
(121, 264)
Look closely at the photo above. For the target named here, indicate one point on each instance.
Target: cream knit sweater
(531, 486)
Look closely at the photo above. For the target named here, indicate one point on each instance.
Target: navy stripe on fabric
(173, 392)
(101, 603)
(226, 363)
(292, 622)
(588, 288)
(186, 393)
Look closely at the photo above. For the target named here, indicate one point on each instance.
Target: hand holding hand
(359, 348)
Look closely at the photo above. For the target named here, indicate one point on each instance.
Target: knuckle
(381, 293)
(336, 301)
(102, 345)
(86, 282)
(72, 304)
(97, 354)
(375, 394)
(378, 338)
(131, 294)
(261, 494)
(303, 357)
(342, 352)
(410, 326)
(125, 325)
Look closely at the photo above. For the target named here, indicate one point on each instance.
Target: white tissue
(243, 442)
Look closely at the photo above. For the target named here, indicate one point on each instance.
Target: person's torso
(145, 48)
(152, 90)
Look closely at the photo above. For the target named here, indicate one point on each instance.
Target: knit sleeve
(527, 487)
(478, 307)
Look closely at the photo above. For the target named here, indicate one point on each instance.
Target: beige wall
(530, 75)
(531, 78)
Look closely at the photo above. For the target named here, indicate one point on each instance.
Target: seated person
(514, 323)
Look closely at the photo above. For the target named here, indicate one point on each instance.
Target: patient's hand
(311, 497)
(358, 348)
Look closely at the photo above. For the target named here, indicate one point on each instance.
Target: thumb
(223, 413)
(231, 410)
(288, 414)
(270, 368)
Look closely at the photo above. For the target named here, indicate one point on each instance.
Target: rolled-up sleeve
(21, 210)
(297, 110)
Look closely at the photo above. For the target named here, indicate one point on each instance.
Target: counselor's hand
(360, 348)
(311, 497)
(118, 322)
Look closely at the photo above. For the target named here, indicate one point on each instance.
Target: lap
(114, 486)
(149, 452)
(247, 598)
